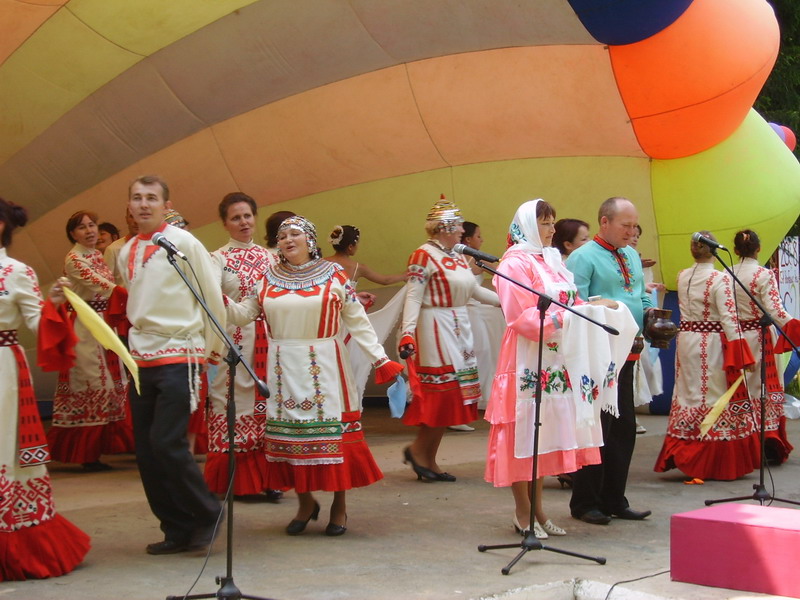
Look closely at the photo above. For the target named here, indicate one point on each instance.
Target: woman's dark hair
(545, 210)
(76, 219)
(234, 198)
(12, 216)
(109, 228)
(273, 223)
(469, 230)
(746, 243)
(567, 231)
(350, 235)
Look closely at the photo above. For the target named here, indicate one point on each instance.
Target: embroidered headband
(305, 226)
(301, 224)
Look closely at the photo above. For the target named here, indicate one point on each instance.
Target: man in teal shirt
(608, 267)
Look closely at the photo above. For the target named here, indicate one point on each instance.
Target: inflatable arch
(363, 111)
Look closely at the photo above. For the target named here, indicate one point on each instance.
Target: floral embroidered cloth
(594, 358)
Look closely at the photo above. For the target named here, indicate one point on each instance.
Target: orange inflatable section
(690, 86)
(20, 20)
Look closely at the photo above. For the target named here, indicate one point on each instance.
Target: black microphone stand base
(761, 495)
(531, 542)
(227, 591)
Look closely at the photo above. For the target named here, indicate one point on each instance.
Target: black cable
(213, 536)
(231, 479)
(611, 589)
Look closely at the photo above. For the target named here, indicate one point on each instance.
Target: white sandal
(552, 528)
(539, 532)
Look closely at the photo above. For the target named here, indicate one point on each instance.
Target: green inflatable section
(749, 180)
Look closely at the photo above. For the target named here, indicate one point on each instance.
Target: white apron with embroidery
(558, 431)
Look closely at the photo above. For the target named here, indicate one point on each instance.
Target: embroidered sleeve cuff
(57, 339)
(387, 371)
(792, 329)
(737, 354)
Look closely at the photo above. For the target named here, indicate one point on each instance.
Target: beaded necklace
(291, 277)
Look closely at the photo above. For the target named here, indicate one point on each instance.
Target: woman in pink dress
(563, 446)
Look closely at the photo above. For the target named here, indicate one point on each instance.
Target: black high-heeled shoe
(422, 472)
(298, 526)
(333, 529)
(443, 476)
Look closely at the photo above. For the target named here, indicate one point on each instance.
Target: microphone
(404, 354)
(697, 238)
(160, 239)
(476, 254)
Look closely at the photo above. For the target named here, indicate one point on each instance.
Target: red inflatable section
(690, 86)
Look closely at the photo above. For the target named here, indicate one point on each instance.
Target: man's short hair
(609, 208)
(151, 180)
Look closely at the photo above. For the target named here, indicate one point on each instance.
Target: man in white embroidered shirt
(170, 339)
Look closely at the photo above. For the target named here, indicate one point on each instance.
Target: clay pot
(658, 328)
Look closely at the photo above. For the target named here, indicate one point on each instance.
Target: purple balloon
(779, 130)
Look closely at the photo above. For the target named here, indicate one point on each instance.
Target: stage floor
(405, 539)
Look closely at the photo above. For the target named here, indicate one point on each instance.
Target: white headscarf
(524, 232)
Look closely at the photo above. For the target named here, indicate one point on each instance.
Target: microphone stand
(760, 494)
(227, 589)
(530, 541)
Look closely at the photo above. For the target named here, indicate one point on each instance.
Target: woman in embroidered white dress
(563, 446)
(762, 284)
(486, 321)
(435, 331)
(35, 541)
(313, 437)
(241, 263)
(709, 357)
(90, 407)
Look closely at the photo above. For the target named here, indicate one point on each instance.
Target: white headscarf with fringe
(524, 232)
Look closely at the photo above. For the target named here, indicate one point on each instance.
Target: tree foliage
(779, 100)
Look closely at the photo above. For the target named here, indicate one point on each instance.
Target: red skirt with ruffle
(358, 469)
(725, 460)
(251, 472)
(86, 444)
(49, 549)
(440, 406)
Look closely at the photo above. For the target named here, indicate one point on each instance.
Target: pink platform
(742, 547)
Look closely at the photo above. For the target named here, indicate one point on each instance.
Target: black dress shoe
(273, 495)
(333, 529)
(298, 526)
(445, 476)
(632, 515)
(96, 467)
(594, 516)
(167, 547)
(423, 473)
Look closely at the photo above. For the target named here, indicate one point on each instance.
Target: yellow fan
(100, 331)
(718, 407)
